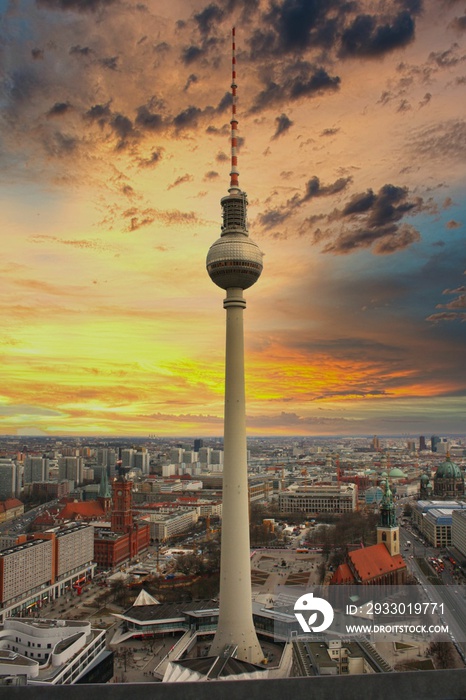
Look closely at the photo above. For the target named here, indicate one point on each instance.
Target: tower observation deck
(234, 263)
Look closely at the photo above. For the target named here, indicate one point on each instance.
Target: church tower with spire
(105, 494)
(388, 531)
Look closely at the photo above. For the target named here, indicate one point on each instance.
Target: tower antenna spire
(234, 184)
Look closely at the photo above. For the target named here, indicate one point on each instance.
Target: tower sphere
(234, 260)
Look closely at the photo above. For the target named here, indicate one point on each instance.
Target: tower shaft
(235, 624)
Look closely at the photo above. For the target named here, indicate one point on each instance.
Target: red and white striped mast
(234, 185)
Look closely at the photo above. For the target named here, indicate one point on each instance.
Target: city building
(458, 531)
(434, 520)
(54, 652)
(125, 538)
(8, 479)
(36, 469)
(44, 566)
(164, 526)
(319, 498)
(10, 509)
(71, 468)
(336, 657)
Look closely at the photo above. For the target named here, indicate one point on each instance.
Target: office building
(319, 498)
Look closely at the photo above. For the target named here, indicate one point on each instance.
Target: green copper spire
(387, 508)
(104, 488)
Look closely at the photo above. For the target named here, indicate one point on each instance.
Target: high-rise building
(234, 263)
(35, 469)
(8, 481)
(198, 443)
(142, 460)
(71, 468)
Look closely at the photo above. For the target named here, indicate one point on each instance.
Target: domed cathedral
(448, 481)
(426, 488)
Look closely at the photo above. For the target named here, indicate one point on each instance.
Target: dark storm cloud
(425, 100)
(359, 203)
(100, 113)
(295, 19)
(315, 189)
(153, 159)
(275, 217)
(329, 132)
(297, 26)
(80, 50)
(189, 117)
(146, 119)
(111, 62)
(447, 58)
(365, 37)
(122, 126)
(180, 181)
(75, 5)
(225, 103)
(59, 109)
(318, 82)
(299, 80)
(283, 124)
(374, 220)
(212, 14)
(459, 23)
(191, 54)
(190, 81)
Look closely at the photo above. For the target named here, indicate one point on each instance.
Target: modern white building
(434, 520)
(163, 526)
(49, 651)
(458, 531)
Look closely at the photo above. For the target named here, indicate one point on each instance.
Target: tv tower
(234, 263)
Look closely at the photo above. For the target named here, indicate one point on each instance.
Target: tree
(408, 510)
(442, 653)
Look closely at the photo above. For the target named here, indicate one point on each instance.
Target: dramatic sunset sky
(114, 154)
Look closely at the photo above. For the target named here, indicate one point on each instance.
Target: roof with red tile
(376, 560)
(83, 509)
(12, 503)
(343, 575)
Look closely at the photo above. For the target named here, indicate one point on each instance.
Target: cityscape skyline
(353, 155)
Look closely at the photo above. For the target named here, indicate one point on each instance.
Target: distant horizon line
(220, 437)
